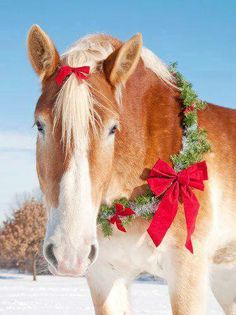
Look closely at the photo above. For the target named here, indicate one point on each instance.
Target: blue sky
(200, 35)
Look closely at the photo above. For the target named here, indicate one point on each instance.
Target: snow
(58, 295)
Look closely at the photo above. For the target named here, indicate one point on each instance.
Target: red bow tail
(164, 215)
(191, 207)
(116, 220)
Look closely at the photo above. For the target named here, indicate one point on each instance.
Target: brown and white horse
(97, 141)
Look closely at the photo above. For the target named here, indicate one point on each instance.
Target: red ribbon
(175, 187)
(120, 211)
(65, 71)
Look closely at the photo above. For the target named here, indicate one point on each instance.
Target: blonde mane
(75, 104)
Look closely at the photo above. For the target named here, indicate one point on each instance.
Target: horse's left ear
(122, 62)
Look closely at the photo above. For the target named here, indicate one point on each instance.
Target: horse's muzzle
(67, 264)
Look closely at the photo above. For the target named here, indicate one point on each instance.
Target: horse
(98, 139)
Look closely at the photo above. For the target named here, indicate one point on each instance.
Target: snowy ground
(70, 296)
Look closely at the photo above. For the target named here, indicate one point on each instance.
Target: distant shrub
(21, 238)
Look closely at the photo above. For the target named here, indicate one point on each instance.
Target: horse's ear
(122, 62)
(42, 52)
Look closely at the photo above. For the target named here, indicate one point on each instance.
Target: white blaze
(72, 226)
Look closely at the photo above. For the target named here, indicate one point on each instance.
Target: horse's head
(78, 126)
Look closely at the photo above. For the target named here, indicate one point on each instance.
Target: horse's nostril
(50, 255)
(93, 253)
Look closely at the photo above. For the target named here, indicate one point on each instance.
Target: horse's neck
(150, 129)
(164, 132)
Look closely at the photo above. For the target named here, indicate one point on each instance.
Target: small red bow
(63, 72)
(175, 186)
(189, 108)
(120, 212)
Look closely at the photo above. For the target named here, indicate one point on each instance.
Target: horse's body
(138, 94)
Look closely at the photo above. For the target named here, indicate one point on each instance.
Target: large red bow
(63, 72)
(120, 212)
(175, 186)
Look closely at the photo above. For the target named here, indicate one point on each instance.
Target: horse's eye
(40, 126)
(113, 130)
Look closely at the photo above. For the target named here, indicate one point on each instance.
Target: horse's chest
(132, 255)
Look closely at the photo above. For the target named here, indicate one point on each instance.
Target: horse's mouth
(67, 272)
